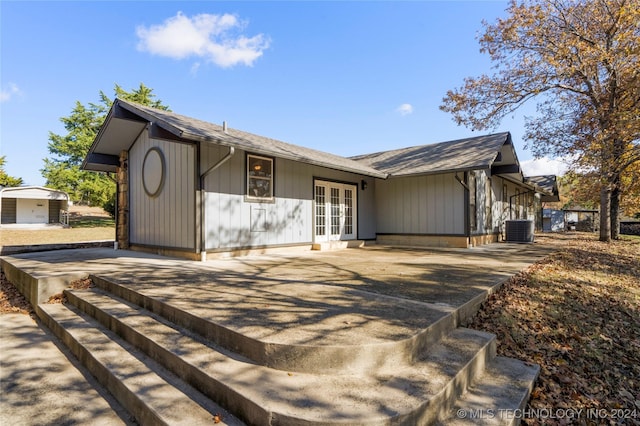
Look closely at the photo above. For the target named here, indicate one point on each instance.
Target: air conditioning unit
(519, 231)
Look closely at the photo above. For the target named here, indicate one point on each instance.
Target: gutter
(203, 248)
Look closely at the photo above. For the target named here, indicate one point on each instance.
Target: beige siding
(420, 205)
(168, 219)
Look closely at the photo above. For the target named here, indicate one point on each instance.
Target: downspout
(203, 248)
(467, 227)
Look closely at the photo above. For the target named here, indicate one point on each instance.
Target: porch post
(122, 215)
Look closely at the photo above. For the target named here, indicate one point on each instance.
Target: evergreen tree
(5, 179)
(62, 170)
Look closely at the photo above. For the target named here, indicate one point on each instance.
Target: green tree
(580, 60)
(62, 169)
(5, 179)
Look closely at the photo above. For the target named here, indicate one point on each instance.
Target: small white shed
(33, 205)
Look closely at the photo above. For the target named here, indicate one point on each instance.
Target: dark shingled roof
(202, 131)
(549, 184)
(464, 154)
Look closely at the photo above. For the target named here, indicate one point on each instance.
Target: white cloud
(194, 68)
(9, 92)
(211, 37)
(545, 166)
(405, 109)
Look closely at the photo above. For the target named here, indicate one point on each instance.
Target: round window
(153, 172)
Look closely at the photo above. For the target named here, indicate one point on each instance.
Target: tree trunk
(615, 212)
(605, 212)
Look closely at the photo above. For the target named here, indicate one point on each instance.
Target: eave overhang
(119, 131)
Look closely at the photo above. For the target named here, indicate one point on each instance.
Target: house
(456, 194)
(191, 188)
(33, 205)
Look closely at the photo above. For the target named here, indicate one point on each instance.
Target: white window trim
(249, 177)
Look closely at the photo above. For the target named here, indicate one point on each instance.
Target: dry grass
(86, 224)
(21, 237)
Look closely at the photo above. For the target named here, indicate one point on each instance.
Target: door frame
(343, 214)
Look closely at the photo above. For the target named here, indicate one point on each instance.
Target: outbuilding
(33, 205)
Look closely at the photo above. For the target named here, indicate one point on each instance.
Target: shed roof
(109, 141)
(475, 153)
(33, 192)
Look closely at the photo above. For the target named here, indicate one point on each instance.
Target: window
(335, 211)
(321, 214)
(348, 211)
(259, 177)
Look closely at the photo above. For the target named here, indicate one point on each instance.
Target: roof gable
(463, 154)
(126, 120)
(204, 132)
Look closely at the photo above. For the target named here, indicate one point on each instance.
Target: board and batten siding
(422, 205)
(233, 221)
(169, 218)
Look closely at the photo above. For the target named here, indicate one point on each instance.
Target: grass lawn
(576, 314)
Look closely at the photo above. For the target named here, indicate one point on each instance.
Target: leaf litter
(576, 313)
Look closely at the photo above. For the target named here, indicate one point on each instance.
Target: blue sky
(344, 77)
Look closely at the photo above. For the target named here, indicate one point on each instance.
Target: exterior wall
(497, 200)
(450, 241)
(485, 202)
(54, 210)
(421, 205)
(512, 202)
(232, 221)
(166, 219)
(9, 210)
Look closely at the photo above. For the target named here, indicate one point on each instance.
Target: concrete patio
(360, 316)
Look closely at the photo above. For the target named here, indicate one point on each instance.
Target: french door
(335, 215)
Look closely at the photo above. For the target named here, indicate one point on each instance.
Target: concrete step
(324, 329)
(415, 392)
(497, 397)
(152, 395)
(337, 245)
